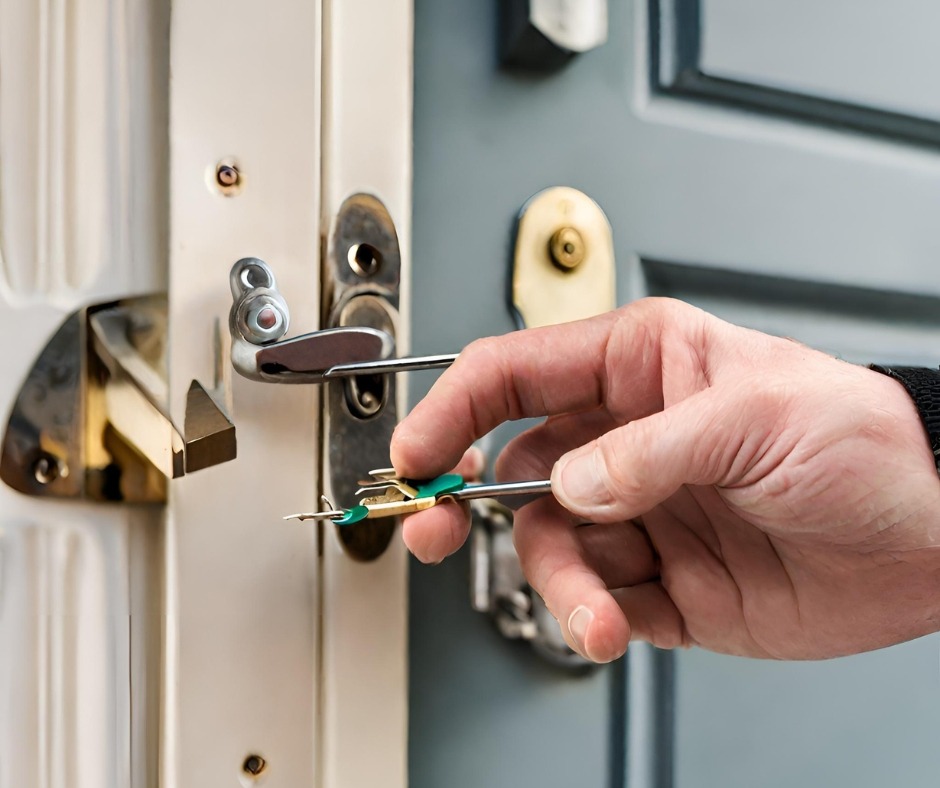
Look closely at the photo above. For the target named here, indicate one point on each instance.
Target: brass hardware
(362, 273)
(566, 248)
(210, 436)
(563, 267)
(227, 178)
(364, 259)
(91, 419)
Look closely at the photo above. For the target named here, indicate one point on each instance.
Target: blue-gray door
(776, 162)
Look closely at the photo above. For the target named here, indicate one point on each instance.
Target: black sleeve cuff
(923, 385)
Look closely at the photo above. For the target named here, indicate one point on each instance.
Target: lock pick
(386, 495)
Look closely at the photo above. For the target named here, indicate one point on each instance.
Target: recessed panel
(856, 324)
(786, 724)
(881, 54)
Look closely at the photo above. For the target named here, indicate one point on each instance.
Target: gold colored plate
(564, 267)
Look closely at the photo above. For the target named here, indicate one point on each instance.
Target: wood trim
(363, 693)
(241, 585)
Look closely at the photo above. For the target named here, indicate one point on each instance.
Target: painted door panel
(782, 192)
(876, 54)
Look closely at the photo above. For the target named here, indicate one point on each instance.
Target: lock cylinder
(366, 395)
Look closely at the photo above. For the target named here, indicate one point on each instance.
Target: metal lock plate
(362, 264)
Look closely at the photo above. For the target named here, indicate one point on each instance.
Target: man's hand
(715, 486)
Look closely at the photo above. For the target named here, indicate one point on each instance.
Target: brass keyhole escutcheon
(563, 265)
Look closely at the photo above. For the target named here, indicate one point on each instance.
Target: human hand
(748, 494)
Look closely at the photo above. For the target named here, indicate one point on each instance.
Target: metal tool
(259, 318)
(389, 496)
(388, 366)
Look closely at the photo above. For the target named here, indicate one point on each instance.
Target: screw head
(254, 765)
(267, 318)
(566, 248)
(261, 319)
(228, 178)
(46, 469)
(226, 175)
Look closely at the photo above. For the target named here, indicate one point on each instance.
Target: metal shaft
(387, 366)
(541, 487)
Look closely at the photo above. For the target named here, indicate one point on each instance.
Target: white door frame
(268, 649)
(141, 646)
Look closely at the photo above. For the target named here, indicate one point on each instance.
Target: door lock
(361, 273)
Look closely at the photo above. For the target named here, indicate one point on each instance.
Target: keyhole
(366, 395)
(364, 259)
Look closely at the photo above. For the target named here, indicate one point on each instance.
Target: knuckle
(621, 458)
(480, 351)
(661, 310)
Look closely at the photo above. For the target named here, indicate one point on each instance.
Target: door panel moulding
(241, 585)
(675, 69)
(83, 218)
(83, 144)
(858, 323)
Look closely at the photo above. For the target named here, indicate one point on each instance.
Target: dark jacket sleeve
(923, 385)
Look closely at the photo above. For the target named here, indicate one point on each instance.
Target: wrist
(922, 385)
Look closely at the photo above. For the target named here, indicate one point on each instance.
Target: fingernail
(580, 481)
(578, 623)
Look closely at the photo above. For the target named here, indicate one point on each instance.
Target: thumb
(712, 437)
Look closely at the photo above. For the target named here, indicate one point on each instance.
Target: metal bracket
(258, 320)
(91, 420)
(499, 588)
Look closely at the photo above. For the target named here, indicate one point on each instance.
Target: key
(405, 496)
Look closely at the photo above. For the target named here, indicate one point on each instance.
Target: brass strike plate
(563, 268)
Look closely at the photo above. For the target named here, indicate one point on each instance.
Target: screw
(261, 320)
(226, 175)
(267, 318)
(46, 469)
(228, 178)
(254, 765)
(566, 248)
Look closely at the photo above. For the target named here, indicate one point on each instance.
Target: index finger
(530, 373)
